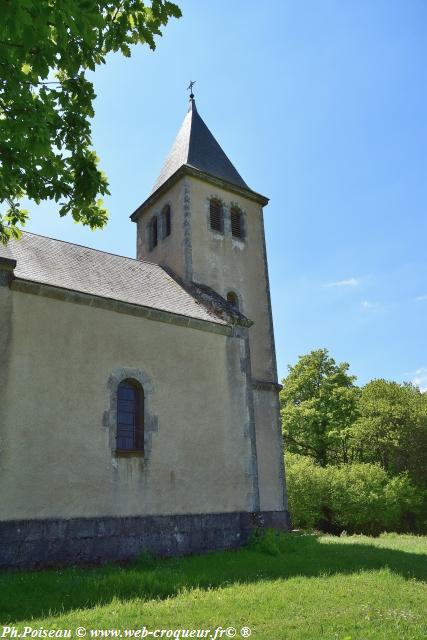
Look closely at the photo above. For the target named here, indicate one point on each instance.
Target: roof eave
(7, 264)
(187, 169)
(26, 285)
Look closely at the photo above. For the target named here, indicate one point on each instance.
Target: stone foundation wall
(59, 542)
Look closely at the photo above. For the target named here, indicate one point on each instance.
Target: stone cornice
(186, 169)
(77, 297)
(266, 385)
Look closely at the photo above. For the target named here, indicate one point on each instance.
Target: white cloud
(423, 297)
(419, 378)
(369, 305)
(350, 282)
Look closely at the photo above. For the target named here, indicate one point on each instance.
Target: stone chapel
(139, 405)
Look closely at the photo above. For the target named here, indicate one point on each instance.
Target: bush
(305, 484)
(358, 498)
(265, 541)
(407, 503)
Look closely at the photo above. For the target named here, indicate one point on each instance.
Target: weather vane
(190, 88)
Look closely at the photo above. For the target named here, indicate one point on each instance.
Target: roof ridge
(83, 246)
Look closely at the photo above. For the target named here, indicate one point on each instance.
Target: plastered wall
(229, 264)
(55, 455)
(271, 479)
(173, 250)
(218, 260)
(226, 263)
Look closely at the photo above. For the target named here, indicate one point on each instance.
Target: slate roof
(196, 147)
(77, 268)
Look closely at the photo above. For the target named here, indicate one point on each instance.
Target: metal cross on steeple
(190, 88)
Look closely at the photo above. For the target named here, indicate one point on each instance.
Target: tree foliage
(392, 428)
(46, 100)
(318, 406)
(356, 457)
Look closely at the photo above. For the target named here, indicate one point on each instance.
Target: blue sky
(322, 106)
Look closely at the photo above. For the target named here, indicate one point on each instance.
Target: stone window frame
(162, 221)
(161, 227)
(224, 230)
(150, 421)
(226, 220)
(238, 296)
(150, 238)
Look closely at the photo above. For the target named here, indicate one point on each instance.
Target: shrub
(407, 503)
(265, 541)
(305, 484)
(358, 498)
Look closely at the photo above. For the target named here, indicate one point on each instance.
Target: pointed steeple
(196, 147)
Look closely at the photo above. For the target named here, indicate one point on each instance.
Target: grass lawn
(316, 587)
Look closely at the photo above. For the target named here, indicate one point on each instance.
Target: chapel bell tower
(205, 224)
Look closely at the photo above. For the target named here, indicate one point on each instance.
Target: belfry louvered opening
(237, 226)
(153, 232)
(216, 215)
(166, 221)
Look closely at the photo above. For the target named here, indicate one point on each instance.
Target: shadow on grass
(25, 595)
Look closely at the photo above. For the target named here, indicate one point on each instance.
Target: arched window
(216, 215)
(237, 226)
(233, 299)
(153, 236)
(130, 416)
(166, 221)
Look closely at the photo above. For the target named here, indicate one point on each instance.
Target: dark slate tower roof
(196, 152)
(196, 147)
